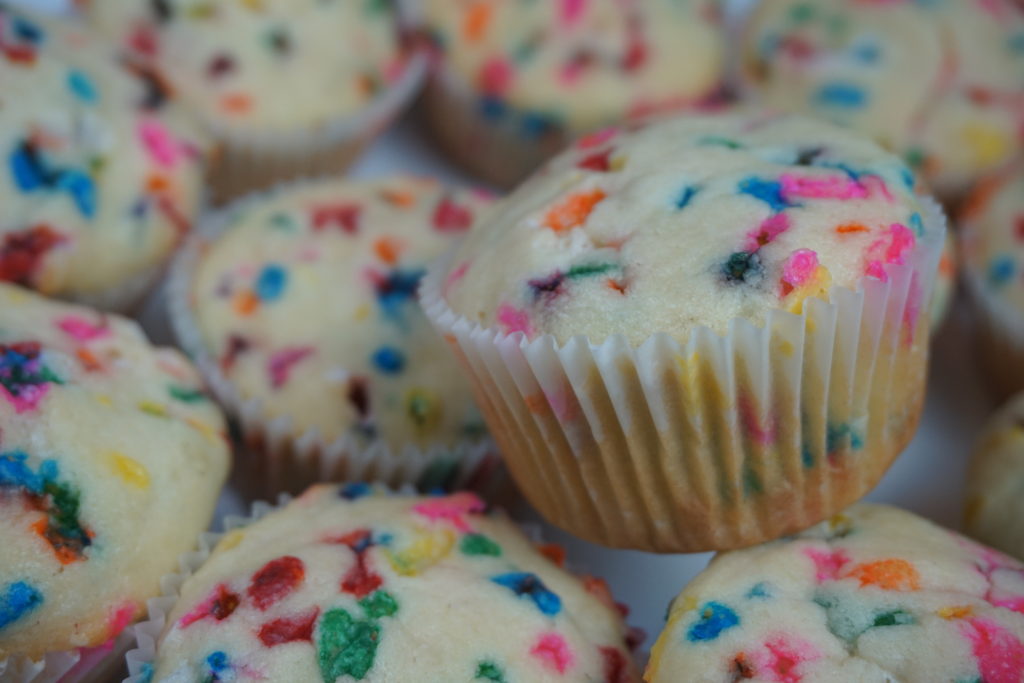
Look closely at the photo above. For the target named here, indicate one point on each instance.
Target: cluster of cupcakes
(700, 320)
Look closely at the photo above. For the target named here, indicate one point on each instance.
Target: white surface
(927, 478)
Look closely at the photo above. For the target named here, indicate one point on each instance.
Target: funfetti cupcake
(994, 512)
(111, 460)
(102, 175)
(698, 334)
(875, 594)
(289, 88)
(300, 307)
(515, 81)
(992, 239)
(941, 83)
(342, 585)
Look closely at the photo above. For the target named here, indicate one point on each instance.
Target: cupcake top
(993, 239)
(308, 302)
(111, 460)
(995, 482)
(688, 222)
(941, 82)
(273, 66)
(581, 63)
(101, 177)
(875, 594)
(340, 585)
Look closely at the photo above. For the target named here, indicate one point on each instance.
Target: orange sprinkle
(957, 612)
(946, 266)
(600, 590)
(573, 211)
(157, 184)
(478, 18)
(89, 360)
(245, 303)
(65, 554)
(615, 285)
(399, 198)
(891, 575)
(237, 103)
(387, 249)
(553, 552)
(847, 228)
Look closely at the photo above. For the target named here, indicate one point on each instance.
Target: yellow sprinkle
(956, 612)
(988, 144)
(131, 471)
(616, 163)
(104, 400)
(151, 408)
(362, 313)
(201, 427)
(786, 348)
(427, 550)
(689, 603)
(231, 540)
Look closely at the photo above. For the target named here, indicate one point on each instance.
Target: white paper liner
(652, 447)
(256, 160)
(276, 459)
(82, 665)
(147, 633)
(999, 333)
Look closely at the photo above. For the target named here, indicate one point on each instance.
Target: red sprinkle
(289, 630)
(220, 604)
(21, 252)
(275, 580)
(598, 161)
(615, 670)
(450, 217)
(344, 216)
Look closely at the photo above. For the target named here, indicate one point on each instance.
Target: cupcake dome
(307, 302)
(875, 594)
(995, 506)
(992, 239)
(339, 585)
(942, 83)
(684, 224)
(111, 460)
(101, 176)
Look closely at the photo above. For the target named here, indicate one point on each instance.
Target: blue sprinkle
(82, 86)
(82, 190)
(14, 472)
(218, 661)
(760, 590)
(868, 53)
(917, 224)
(146, 675)
(841, 95)
(807, 458)
(908, 178)
(271, 282)
(27, 31)
(355, 490)
(714, 618)
(17, 600)
(838, 436)
(768, 191)
(1001, 270)
(398, 289)
(535, 125)
(686, 196)
(527, 584)
(27, 174)
(492, 108)
(1017, 43)
(389, 360)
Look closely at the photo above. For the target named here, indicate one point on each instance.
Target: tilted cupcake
(874, 594)
(339, 586)
(995, 480)
(941, 83)
(699, 334)
(992, 240)
(111, 460)
(101, 175)
(517, 80)
(300, 307)
(289, 87)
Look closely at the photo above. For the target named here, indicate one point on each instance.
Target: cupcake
(102, 176)
(875, 594)
(111, 460)
(300, 307)
(992, 239)
(515, 81)
(995, 507)
(698, 334)
(941, 83)
(945, 283)
(341, 585)
(289, 88)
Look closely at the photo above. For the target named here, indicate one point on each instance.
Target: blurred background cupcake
(992, 237)
(874, 594)
(111, 461)
(348, 585)
(289, 88)
(301, 310)
(515, 81)
(941, 83)
(102, 175)
(716, 338)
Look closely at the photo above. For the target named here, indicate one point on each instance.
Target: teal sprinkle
(82, 86)
(751, 482)
(917, 224)
(896, 617)
(185, 394)
(1001, 270)
(590, 270)
(759, 590)
(807, 457)
(719, 141)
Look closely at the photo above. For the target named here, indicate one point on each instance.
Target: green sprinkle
(802, 12)
(380, 604)
(751, 482)
(896, 617)
(719, 141)
(489, 671)
(590, 270)
(347, 646)
(478, 544)
(186, 395)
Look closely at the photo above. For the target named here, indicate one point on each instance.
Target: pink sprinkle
(827, 564)
(763, 435)
(782, 657)
(999, 653)
(876, 186)
(29, 397)
(119, 620)
(818, 187)
(514, 320)
(770, 228)
(596, 138)
(571, 11)
(891, 249)
(454, 277)
(496, 76)
(799, 270)
(553, 652)
(564, 404)
(281, 364)
(453, 509)
(161, 145)
(81, 329)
